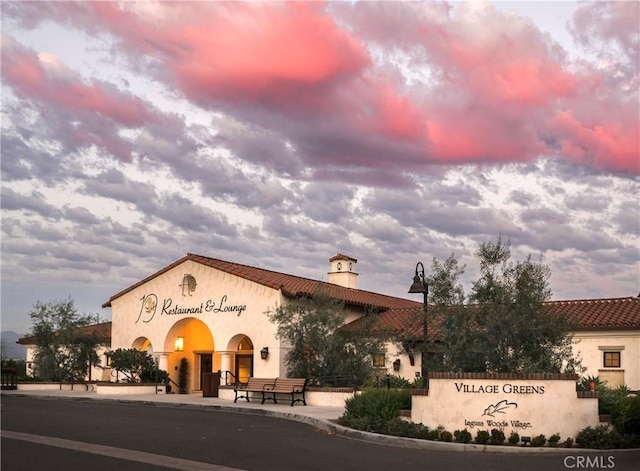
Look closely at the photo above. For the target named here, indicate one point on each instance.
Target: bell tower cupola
(343, 271)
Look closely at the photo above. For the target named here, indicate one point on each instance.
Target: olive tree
(134, 365)
(319, 345)
(64, 352)
(505, 325)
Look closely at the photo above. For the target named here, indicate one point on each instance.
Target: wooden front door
(206, 366)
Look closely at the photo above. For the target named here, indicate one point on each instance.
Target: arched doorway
(191, 339)
(242, 347)
(144, 344)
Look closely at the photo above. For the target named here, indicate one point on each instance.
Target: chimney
(343, 271)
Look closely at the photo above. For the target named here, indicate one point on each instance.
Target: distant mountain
(10, 349)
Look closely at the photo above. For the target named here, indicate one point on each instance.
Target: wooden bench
(292, 386)
(254, 385)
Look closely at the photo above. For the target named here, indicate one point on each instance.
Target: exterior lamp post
(420, 286)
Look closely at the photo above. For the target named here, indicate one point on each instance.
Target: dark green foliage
(382, 403)
(319, 348)
(402, 428)
(20, 367)
(446, 436)
(497, 437)
(625, 415)
(482, 437)
(63, 351)
(462, 436)
(625, 411)
(568, 443)
(390, 381)
(553, 440)
(377, 410)
(600, 437)
(584, 383)
(514, 438)
(134, 365)
(538, 440)
(183, 375)
(505, 327)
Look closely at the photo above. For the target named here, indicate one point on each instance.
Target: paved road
(52, 434)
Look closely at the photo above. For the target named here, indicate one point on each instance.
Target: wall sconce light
(264, 353)
(108, 359)
(179, 344)
(396, 365)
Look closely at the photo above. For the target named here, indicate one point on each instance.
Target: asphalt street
(54, 433)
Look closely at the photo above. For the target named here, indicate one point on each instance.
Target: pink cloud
(500, 90)
(608, 145)
(32, 78)
(264, 52)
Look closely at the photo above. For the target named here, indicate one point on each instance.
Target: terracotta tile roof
(590, 314)
(290, 285)
(612, 313)
(342, 256)
(102, 330)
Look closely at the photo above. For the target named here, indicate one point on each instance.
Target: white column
(225, 365)
(163, 360)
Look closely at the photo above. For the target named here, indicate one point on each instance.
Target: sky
(278, 134)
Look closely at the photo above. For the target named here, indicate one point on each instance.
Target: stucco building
(214, 313)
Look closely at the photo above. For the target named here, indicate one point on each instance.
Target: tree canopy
(134, 365)
(504, 325)
(318, 347)
(64, 352)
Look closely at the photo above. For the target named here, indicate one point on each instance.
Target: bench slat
(293, 386)
(253, 385)
(269, 387)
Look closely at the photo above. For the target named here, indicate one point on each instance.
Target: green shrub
(482, 437)
(446, 436)
(384, 404)
(538, 440)
(462, 436)
(183, 375)
(497, 437)
(625, 414)
(584, 384)
(388, 381)
(600, 437)
(433, 435)
(568, 443)
(401, 428)
(553, 440)
(514, 438)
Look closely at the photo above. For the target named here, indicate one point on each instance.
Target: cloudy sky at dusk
(279, 134)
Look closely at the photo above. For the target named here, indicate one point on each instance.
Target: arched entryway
(144, 344)
(190, 338)
(242, 364)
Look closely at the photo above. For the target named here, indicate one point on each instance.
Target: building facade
(214, 313)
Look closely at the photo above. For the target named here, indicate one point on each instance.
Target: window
(378, 360)
(611, 359)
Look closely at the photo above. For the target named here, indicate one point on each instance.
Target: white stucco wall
(591, 345)
(98, 372)
(229, 308)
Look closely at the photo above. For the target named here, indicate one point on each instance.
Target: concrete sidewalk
(323, 418)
